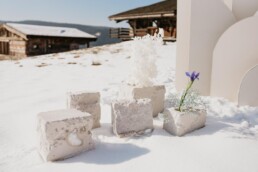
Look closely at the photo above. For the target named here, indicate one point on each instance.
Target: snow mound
(231, 132)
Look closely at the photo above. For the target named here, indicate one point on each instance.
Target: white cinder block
(181, 123)
(86, 102)
(155, 93)
(130, 117)
(64, 133)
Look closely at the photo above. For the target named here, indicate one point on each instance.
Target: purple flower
(193, 76)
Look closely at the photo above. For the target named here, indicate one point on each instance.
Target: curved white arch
(248, 94)
(200, 24)
(235, 53)
(244, 8)
(229, 4)
(256, 14)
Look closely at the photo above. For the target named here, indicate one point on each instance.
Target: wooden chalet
(148, 20)
(30, 40)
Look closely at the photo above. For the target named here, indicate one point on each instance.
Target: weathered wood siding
(143, 26)
(17, 48)
(11, 43)
(38, 46)
(4, 48)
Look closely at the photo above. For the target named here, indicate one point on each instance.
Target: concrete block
(155, 93)
(64, 133)
(86, 102)
(131, 117)
(181, 123)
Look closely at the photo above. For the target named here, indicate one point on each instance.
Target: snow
(50, 31)
(229, 142)
(143, 66)
(73, 139)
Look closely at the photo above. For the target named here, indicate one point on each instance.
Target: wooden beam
(121, 18)
(10, 29)
(7, 39)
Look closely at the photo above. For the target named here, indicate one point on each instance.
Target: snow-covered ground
(229, 142)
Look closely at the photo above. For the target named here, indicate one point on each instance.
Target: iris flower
(193, 76)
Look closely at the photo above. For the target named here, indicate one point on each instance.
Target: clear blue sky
(90, 12)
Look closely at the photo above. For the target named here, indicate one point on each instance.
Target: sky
(88, 12)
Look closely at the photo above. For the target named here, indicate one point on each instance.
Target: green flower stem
(184, 95)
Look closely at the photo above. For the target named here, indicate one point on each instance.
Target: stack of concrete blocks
(64, 133)
(132, 117)
(155, 93)
(86, 102)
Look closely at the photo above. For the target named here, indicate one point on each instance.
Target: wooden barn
(29, 40)
(149, 19)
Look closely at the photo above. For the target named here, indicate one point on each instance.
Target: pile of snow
(229, 142)
(143, 64)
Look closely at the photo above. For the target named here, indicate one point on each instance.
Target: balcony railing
(121, 33)
(127, 33)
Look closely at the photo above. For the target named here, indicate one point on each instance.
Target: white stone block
(180, 123)
(86, 102)
(155, 93)
(64, 133)
(131, 117)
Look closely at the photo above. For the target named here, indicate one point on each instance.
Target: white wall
(219, 39)
(235, 53)
(248, 92)
(183, 41)
(200, 23)
(244, 8)
(229, 4)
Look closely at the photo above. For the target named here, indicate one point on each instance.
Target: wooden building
(29, 40)
(148, 20)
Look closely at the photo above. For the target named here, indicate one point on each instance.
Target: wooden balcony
(121, 33)
(127, 33)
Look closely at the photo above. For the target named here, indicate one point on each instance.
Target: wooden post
(88, 44)
(46, 46)
(1, 48)
(7, 48)
(133, 25)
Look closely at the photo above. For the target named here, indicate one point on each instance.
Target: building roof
(36, 30)
(165, 8)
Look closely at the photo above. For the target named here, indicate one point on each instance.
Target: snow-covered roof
(36, 30)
